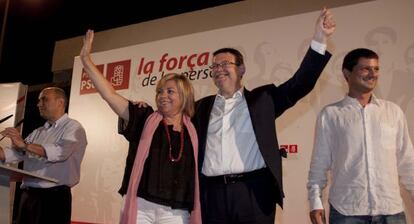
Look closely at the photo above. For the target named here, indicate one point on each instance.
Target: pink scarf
(129, 213)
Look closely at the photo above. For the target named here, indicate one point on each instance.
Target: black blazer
(265, 104)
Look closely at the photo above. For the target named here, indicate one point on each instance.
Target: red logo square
(293, 148)
(118, 74)
(86, 85)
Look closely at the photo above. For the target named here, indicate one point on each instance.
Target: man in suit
(239, 160)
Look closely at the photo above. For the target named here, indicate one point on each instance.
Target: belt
(234, 178)
(50, 189)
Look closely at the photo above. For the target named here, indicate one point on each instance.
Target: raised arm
(117, 102)
(313, 63)
(325, 26)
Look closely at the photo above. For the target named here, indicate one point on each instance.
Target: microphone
(19, 123)
(6, 118)
(15, 126)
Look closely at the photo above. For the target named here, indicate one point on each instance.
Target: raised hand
(87, 44)
(325, 26)
(117, 102)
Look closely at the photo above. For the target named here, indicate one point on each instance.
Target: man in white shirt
(364, 142)
(54, 150)
(239, 158)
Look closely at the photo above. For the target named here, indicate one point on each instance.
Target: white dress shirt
(64, 143)
(231, 146)
(368, 150)
(231, 143)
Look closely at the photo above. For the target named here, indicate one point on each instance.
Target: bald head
(52, 103)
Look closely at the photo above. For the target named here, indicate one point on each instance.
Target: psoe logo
(290, 148)
(117, 73)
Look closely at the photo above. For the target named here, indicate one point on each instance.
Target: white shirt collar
(238, 94)
(50, 124)
(350, 100)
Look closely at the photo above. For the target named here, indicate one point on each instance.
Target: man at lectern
(53, 150)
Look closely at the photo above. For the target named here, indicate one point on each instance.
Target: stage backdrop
(273, 49)
(12, 102)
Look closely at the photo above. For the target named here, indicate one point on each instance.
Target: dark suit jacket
(265, 104)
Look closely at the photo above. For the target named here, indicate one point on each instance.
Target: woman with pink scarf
(163, 180)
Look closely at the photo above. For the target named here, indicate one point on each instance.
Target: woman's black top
(163, 181)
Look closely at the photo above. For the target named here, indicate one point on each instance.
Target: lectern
(10, 174)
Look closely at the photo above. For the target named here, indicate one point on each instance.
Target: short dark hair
(351, 59)
(237, 55)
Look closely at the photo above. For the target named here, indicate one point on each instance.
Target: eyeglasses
(223, 64)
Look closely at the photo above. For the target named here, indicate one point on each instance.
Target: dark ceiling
(33, 26)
